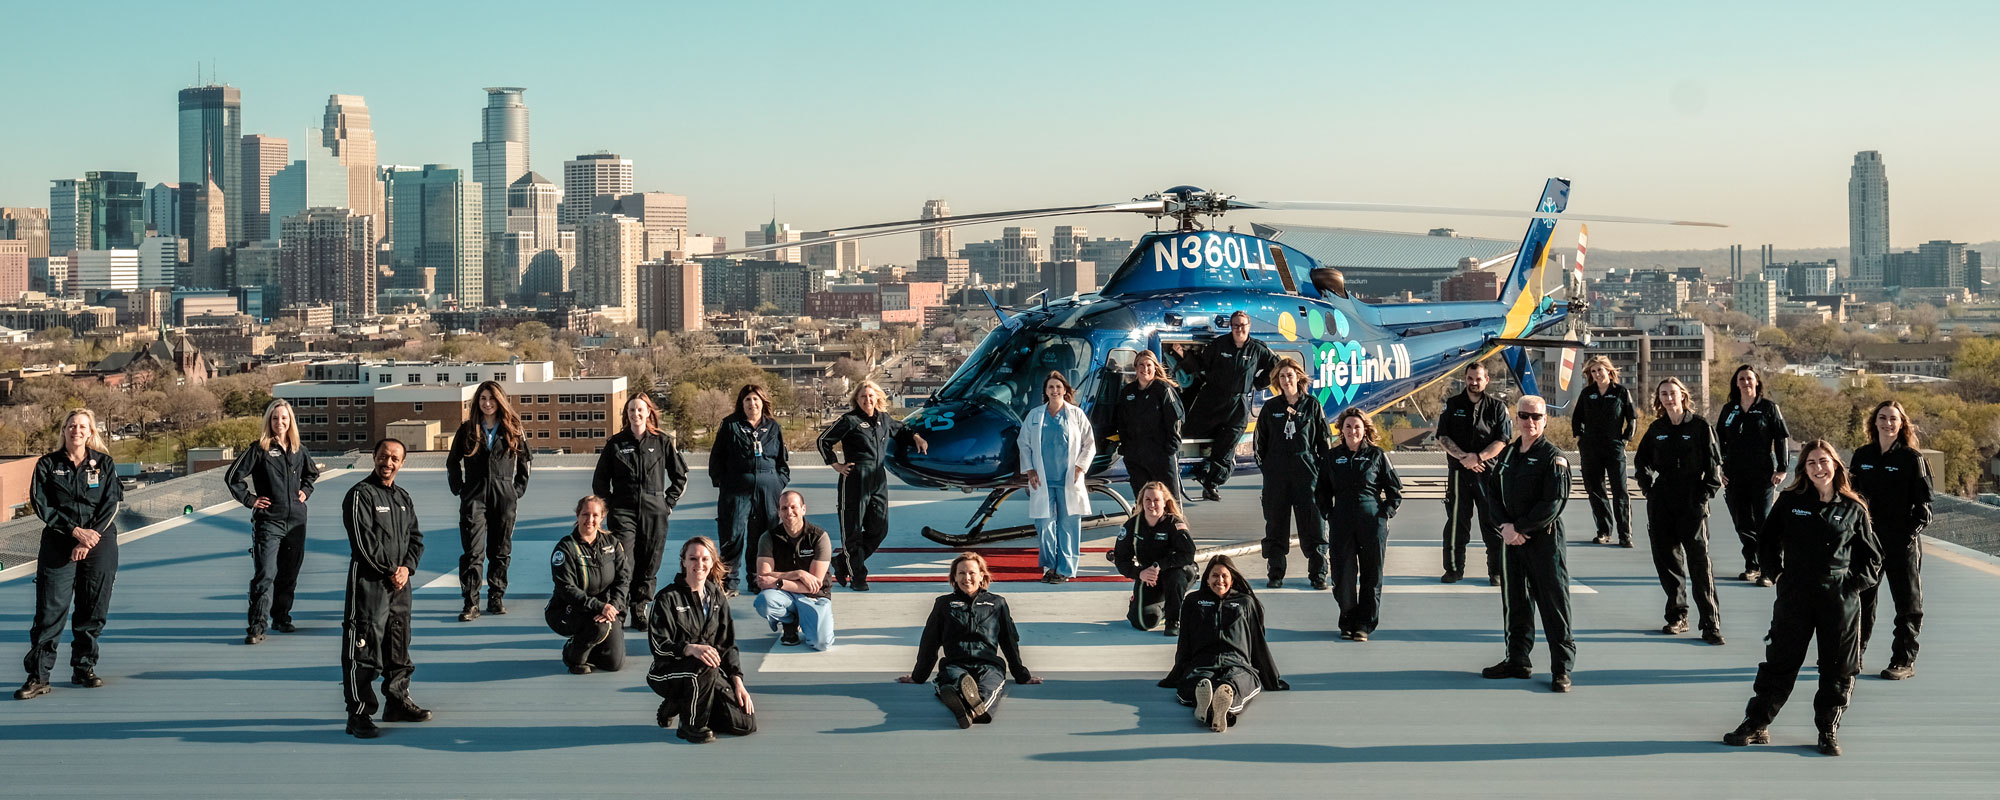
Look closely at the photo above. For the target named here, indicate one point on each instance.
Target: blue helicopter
(1176, 290)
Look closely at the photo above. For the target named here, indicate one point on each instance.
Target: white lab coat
(1082, 446)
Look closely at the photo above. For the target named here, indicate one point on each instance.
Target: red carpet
(1008, 564)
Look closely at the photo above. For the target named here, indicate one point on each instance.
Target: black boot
(1829, 745)
(493, 604)
(638, 619)
(360, 726)
(400, 709)
(86, 678)
(33, 688)
(1747, 733)
(471, 611)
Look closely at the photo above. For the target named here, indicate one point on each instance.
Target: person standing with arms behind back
(863, 434)
(1228, 371)
(274, 478)
(1680, 470)
(75, 491)
(751, 467)
(1146, 418)
(1603, 423)
(1752, 433)
(1056, 447)
(488, 471)
(1893, 478)
(1473, 430)
(641, 474)
(1527, 488)
(1818, 546)
(385, 545)
(1290, 441)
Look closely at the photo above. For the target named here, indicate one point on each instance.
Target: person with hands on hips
(863, 435)
(274, 478)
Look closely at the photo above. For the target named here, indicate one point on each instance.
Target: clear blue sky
(849, 112)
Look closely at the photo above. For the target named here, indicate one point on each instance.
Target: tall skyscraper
(211, 148)
(385, 175)
(935, 243)
(1021, 255)
(328, 256)
(775, 232)
(665, 217)
(670, 296)
(609, 248)
(500, 157)
(533, 256)
(533, 205)
(439, 211)
(589, 175)
(66, 228)
(263, 156)
(110, 211)
(1867, 216)
(346, 130)
(315, 180)
(162, 208)
(205, 224)
(1068, 243)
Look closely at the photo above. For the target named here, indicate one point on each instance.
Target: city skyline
(1711, 112)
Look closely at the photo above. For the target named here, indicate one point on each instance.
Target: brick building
(347, 405)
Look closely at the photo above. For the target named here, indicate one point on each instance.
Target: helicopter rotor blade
(921, 225)
(1392, 208)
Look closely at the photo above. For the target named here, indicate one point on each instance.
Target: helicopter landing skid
(977, 534)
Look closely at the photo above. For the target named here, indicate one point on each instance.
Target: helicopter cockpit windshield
(1009, 370)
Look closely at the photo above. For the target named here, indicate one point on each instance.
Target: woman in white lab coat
(1056, 446)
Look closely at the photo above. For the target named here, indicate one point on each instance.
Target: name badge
(92, 476)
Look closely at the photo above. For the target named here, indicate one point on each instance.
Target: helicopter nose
(971, 444)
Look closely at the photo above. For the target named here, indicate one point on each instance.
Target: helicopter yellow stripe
(1523, 311)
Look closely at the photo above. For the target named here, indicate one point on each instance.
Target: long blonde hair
(291, 442)
(1172, 508)
(96, 438)
(1164, 375)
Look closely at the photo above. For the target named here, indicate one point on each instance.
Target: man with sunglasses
(1228, 371)
(1526, 489)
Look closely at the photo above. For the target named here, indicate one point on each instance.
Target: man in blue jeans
(792, 561)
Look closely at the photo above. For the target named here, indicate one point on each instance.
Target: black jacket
(1226, 376)
(733, 462)
(789, 553)
(1603, 418)
(1897, 487)
(634, 472)
(1679, 463)
(864, 441)
(592, 575)
(1224, 631)
(680, 619)
(970, 630)
(1527, 489)
(1752, 439)
(1473, 427)
(1146, 420)
(1815, 547)
(382, 531)
(1365, 480)
(489, 473)
(70, 496)
(1291, 438)
(1166, 544)
(275, 473)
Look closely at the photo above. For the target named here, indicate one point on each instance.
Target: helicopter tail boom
(1530, 260)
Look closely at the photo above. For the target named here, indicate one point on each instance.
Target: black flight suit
(1222, 641)
(1824, 555)
(1530, 490)
(1897, 487)
(382, 535)
(1603, 422)
(1226, 381)
(1148, 425)
(1679, 469)
(69, 496)
(1290, 441)
(1165, 544)
(977, 637)
(703, 697)
(641, 478)
(278, 531)
(1472, 427)
(1359, 493)
(489, 483)
(751, 467)
(587, 578)
(1753, 449)
(864, 490)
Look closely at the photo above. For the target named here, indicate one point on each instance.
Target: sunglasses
(1527, 415)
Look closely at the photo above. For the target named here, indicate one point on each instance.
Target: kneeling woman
(1156, 551)
(695, 663)
(591, 573)
(976, 632)
(1222, 662)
